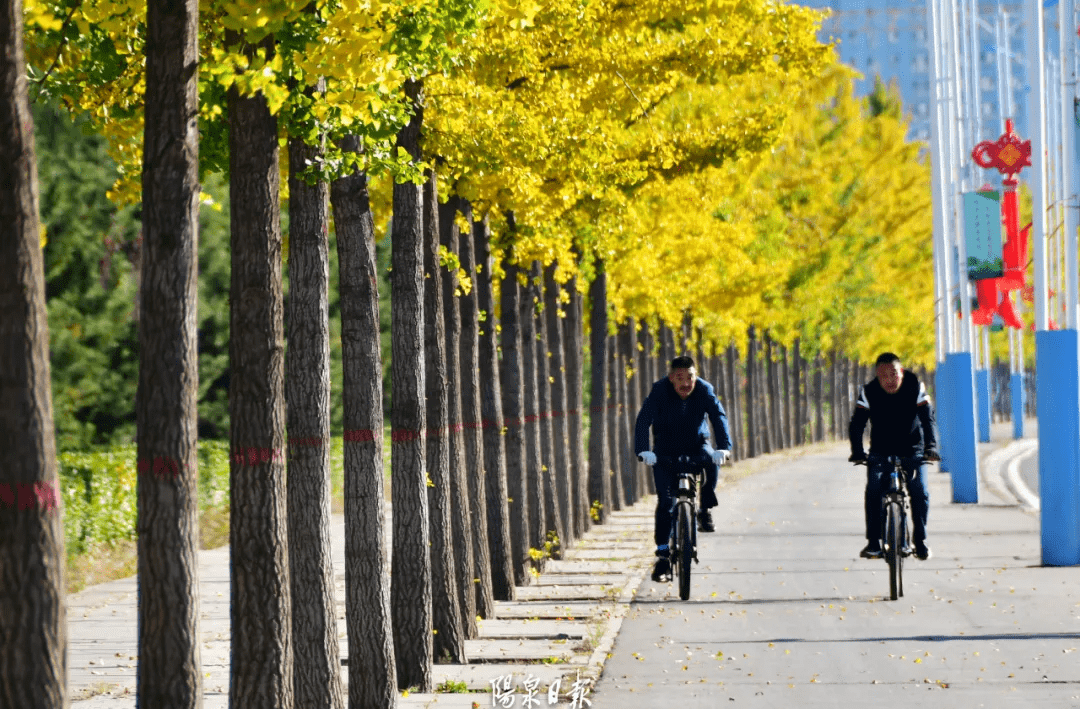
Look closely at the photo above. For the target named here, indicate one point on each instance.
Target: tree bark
(450, 546)
(372, 669)
(559, 433)
(770, 411)
(611, 413)
(411, 579)
(552, 512)
(752, 442)
(834, 393)
(316, 649)
(574, 341)
(735, 418)
(797, 375)
(479, 263)
(261, 607)
(599, 465)
(627, 462)
(513, 393)
(819, 400)
(463, 360)
(534, 471)
(33, 652)
(645, 360)
(169, 671)
(786, 398)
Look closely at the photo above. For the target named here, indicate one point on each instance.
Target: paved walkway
(783, 612)
(561, 630)
(558, 631)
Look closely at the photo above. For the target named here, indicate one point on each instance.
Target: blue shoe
(871, 551)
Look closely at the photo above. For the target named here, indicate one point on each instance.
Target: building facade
(891, 39)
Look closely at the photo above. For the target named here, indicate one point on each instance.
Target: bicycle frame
(689, 475)
(894, 501)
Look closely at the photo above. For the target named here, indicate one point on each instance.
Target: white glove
(647, 457)
(720, 457)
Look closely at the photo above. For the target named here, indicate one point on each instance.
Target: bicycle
(895, 535)
(683, 541)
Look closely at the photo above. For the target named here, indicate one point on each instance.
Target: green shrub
(99, 490)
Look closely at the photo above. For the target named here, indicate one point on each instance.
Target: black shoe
(871, 551)
(922, 552)
(662, 570)
(704, 521)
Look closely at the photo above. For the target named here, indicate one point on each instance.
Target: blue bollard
(960, 427)
(982, 389)
(1016, 383)
(1057, 400)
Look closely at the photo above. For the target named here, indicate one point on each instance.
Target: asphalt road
(783, 613)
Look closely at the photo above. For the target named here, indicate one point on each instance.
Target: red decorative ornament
(1008, 154)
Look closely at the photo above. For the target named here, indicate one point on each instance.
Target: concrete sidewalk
(559, 629)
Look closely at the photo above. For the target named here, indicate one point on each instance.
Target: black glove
(932, 456)
(857, 458)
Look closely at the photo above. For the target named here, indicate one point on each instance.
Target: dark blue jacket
(679, 427)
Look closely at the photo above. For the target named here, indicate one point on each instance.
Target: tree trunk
(574, 340)
(599, 465)
(552, 512)
(262, 675)
(560, 435)
(479, 264)
(667, 346)
(738, 451)
(752, 442)
(834, 393)
(785, 397)
(622, 415)
(630, 351)
(33, 652)
(534, 476)
(316, 649)
(611, 413)
(513, 394)
(773, 396)
(463, 359)
(411, 580)
(819, 399)
(169, 671)
(644, 358)
(448, 551)
(797, 377)
(372, 670)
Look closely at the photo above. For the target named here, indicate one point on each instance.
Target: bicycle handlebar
(698, 459)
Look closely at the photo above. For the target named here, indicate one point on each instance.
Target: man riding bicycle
(677, 409)
(901, 424)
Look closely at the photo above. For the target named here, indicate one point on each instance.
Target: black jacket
(901, 424)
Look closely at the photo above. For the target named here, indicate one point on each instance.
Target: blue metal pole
(1057, 400)
(964, 458)
(1016, 384)
(941, 404)
(982, 388)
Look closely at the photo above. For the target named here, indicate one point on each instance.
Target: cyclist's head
(889, 372)
(682, 375)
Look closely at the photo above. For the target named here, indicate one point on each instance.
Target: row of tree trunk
(489, 427)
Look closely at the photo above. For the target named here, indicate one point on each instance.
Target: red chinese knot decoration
(1008, 154)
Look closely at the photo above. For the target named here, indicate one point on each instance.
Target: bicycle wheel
(893, 540)
(686, 549)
